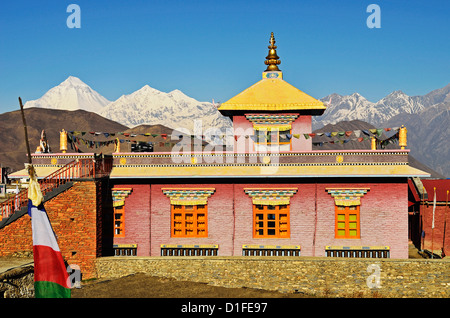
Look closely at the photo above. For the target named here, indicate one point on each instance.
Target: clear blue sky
(215, 49)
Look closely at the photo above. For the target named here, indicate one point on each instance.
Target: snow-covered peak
(395, 94)
(73, 81)
(146, 89)
(71, 94)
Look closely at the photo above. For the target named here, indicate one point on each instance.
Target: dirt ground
(146, 286)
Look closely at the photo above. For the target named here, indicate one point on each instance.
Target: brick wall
(16, 237)
(439, 238)
(220, 218)
(137, 218)
(82, 219)
(300, 219)
(73, 215)
(383, 218)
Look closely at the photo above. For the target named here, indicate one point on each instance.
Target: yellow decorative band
(189, 246)
(265, 106)
(189, 196)
(188, 202)
(125, 245)
(271, 119)
(272, 127)
(357, 248)
(347, 197)
(347, 202)
(271, 202)
(118, 203)
(271, 196)
(287, 247)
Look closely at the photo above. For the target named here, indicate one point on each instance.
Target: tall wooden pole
(421, 211)
(432, 224)
(26, 131)
(445, 223)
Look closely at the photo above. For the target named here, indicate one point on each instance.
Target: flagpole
(432, 224)
(422, 211)
(445, 223)
(26, 131)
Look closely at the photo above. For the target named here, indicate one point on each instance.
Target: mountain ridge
(357, 107)
(149, 106)
(13, 151)
(175, 109)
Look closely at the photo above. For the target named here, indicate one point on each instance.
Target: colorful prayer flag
(51, 279)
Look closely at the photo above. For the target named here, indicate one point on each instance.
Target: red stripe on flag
(49, 266)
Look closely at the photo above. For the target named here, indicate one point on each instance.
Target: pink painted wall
(300, 219)
(220, 218)
(242, 126)
(383, 218)
(137, 218)
(302, 125)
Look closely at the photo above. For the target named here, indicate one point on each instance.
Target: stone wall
(17, 283)
(328, 277)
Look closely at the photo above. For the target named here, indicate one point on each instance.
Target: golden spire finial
(272, 59)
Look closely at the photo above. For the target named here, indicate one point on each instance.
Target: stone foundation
(321, 277)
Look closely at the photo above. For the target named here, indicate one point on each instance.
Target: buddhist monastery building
(265, 193)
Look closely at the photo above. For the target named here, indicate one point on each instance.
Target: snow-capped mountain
(428, 135)
(174, 109)
(350, 107)
(72, 94)
(356, 107)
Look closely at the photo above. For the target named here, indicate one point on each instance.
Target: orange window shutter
(271, 221)
(189, 221)
(347, 224)
(119, 222)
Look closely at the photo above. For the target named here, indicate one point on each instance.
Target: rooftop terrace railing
(76, 170)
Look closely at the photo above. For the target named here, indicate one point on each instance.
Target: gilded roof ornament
(272, 59)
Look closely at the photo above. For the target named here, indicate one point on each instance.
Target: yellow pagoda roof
(272, 93)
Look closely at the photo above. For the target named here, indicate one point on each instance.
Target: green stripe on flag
(43, 289)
